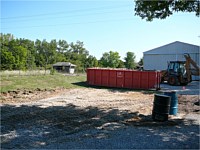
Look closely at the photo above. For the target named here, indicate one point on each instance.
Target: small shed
(66, 67)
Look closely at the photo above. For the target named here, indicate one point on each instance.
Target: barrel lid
(170, 91)
(162, 95)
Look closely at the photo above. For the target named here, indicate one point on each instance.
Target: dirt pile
(187, 104)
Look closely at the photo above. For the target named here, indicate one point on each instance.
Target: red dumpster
(123, 78)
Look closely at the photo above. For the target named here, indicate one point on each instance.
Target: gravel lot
(92, 118)
(192, 88)
(173, 137)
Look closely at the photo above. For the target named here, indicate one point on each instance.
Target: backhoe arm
(189, 60)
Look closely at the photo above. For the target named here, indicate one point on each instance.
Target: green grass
(10, 83)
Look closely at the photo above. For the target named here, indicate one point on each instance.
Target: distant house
(66, 67)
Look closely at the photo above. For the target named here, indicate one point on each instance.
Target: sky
(101, 25)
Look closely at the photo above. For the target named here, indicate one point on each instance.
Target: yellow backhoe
(180, 72)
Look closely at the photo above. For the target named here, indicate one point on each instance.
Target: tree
(104, 61)
(7, 60)
(43, 53)
(52, 51)
(62, 46)
(31, 53)
(5, 39)
(78, 48)
(19, 53)
(77, 54)
(60, 57)
(141, 62)
(47, 53)
(39, 56)
(121, 64)
(91, 61)
(162, 9)
(130, 60)
(111, 59)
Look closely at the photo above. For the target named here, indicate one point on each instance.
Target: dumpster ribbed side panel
(98, 77)
(105, 77)
(91, 76)
(152, 79)
(128, 79)
(113, 78)
(144, 80)
(136, 80)
(120, 78)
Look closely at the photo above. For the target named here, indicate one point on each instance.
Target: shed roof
(175, 48)
(63, 64)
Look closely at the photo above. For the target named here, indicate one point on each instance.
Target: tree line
(24, 54)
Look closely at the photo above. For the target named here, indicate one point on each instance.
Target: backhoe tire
(173, 80)
(184, 84)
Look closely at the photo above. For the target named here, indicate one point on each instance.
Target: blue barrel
(174, 102)
(161, 107)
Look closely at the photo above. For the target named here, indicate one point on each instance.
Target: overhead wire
(63, 12)
(80, 12)
(65, 16)
(75, 23)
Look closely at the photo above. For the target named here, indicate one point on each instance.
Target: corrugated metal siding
(159, 62)
(175, 48)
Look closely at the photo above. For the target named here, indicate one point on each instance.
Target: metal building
(158, 58)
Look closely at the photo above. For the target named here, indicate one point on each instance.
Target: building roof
(175, 48)
(64, 64)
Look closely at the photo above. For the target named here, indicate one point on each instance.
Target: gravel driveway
(97, 119)
(185, 136)
(192, 88)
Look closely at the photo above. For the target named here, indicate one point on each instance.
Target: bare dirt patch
(25, 95)
(188, 104)
(141, 102)
(136, 107)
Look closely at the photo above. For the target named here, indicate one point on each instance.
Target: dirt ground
(102, 98)
(139, 103)
(24, 95)
(74, 110)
